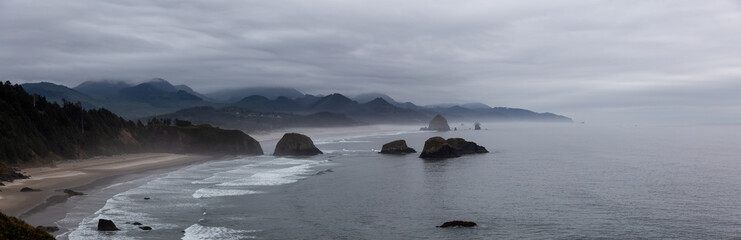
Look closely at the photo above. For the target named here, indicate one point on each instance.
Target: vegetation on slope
(13, 228)
(35, 131)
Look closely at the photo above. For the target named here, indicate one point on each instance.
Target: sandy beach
(75, 173)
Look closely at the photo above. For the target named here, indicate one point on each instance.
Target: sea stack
(438, 123)
(106, 225)
(461, 146)
(397, 147)
(296, 144)
(438, 147)
(477, 126)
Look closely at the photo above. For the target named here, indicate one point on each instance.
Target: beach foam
(197, 231)
(212, 192)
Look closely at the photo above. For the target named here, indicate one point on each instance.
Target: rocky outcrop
(477, 126)
(437, 147)
(295, 144)
(438, 123)
(461, 146)
(457, 224)
(397, 147)
(106, 225)
(72, 192)
(48, 228)
(28, 189)
(145, 228)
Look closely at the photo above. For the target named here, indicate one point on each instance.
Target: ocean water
(540, 181)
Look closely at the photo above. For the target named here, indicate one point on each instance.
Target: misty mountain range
(256, 105)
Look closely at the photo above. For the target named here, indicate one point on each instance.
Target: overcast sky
(625, 61)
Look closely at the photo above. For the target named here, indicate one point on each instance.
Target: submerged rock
(438, 123)
(72, 192)
(145, 228)
(437, 147)
(397, 147)
(296, 144)
(106, 225)
(28, 189)
(136, 223)
(457, 224)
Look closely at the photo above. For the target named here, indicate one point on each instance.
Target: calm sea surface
(540, 181)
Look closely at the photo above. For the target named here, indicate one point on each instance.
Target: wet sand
(76, 173)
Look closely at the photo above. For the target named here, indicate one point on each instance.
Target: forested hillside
(36, 131)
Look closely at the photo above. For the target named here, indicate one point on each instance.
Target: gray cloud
(592, 60)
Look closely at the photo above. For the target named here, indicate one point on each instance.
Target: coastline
(78, 173)
(95, 176)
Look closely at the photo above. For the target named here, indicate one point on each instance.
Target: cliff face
(438, 123)
(201, 139)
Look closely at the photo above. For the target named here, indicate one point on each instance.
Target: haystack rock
(438, 123)
(437, 147)
(397, 147)
(296, 144)
(106, 225)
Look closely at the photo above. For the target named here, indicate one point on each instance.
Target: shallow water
(541, 181)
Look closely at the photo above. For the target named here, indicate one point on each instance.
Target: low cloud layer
(592, 60)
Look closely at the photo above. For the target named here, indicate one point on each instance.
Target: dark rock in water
(2, 184)
(437, 147)
(146, 228)
(438, 123)
(146, 198)
(296, 144)
(106, 225)
(48, 228)
(28, 189)
(461, 146)
(477, 126)
(457, 224)
(397, 147)
(72, 192)
(136, 223)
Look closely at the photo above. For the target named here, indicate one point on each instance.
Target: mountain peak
(162, 84)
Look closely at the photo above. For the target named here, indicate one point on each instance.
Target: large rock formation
(106, 225)
(438, 123)
(437, 147)
(397, 147)
(295, 144)
(461, 146)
